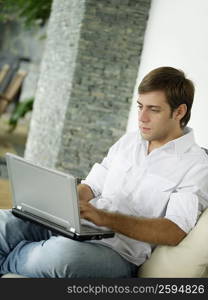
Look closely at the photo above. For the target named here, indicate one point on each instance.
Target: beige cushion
(187, 259)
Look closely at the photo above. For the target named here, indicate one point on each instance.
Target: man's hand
(92, 214)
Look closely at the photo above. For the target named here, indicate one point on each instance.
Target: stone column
(86, 83)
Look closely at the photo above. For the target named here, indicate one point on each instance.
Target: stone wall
(87, 80)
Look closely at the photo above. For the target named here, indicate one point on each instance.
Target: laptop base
(59, 229)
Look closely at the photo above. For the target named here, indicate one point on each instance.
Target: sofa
(189, 259)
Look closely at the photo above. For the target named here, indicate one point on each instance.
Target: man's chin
(145, 136)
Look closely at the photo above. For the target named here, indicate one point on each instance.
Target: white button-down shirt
(170, 182)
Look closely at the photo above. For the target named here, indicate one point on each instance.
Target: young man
(149, 189)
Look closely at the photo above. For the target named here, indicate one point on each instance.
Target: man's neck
(157, 144)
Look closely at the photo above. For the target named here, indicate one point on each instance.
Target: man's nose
(143, 116)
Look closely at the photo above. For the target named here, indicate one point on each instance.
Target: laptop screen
(45, 192)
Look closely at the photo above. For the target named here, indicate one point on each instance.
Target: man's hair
(177, 88)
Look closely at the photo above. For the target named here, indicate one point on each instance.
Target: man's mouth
(144, 129)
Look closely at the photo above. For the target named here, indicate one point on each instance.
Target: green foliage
(32, 11)
(19, 112)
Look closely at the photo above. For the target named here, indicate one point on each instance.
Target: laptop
(49, 197)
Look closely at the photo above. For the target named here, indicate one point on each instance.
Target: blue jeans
(33, 251)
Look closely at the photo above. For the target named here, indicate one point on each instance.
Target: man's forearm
(159, 231)
(85, 193)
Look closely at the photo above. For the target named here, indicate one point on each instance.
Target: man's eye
(155, 110)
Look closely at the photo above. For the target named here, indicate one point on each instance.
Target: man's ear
(180, 111)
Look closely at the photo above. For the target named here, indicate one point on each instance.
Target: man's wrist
(107, 218)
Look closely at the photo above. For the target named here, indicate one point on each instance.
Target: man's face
(156, 122)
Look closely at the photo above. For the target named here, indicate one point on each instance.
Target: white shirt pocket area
(151, 196)
(116, 177)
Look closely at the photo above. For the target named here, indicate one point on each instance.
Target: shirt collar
(183, 143)
(179, 145)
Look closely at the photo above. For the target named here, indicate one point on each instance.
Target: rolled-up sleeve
(183, 210)
(190, 199)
